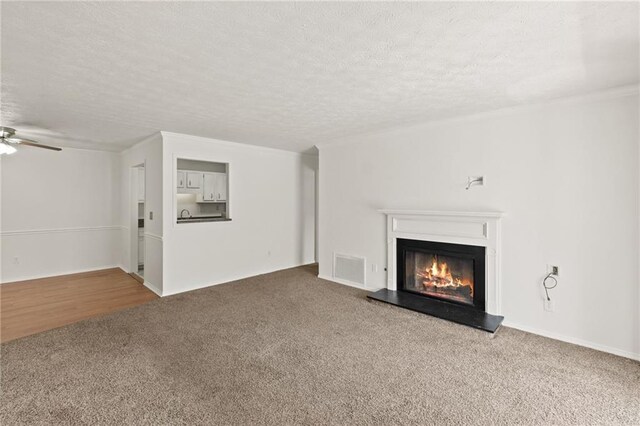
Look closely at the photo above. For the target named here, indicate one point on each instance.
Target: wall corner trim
(152, 287)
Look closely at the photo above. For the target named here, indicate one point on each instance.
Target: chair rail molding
(61, 230)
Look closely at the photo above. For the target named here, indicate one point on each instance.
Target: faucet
(184, 210)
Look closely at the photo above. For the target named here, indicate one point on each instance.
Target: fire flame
(439, 275)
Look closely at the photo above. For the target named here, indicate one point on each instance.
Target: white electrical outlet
(548, 305)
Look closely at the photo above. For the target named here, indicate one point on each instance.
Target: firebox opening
(450, 272)
(445, 277)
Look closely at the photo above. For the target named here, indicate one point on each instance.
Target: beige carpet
(289, 348)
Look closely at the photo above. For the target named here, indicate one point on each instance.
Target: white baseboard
(506, 323)
(343, 282)
(59, 274)
(573, 340)
(152, 287)
(229, 279)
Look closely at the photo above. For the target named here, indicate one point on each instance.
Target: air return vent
(349, 268)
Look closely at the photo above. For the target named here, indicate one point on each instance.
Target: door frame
(133, 216)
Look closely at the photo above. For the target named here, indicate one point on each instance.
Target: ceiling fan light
(5, 148)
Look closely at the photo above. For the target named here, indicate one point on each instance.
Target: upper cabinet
(180, 179)
(220, 187)
(188, 182)
(194, 180)
(214, 187)
(208, 187)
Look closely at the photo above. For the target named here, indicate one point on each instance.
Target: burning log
(438, 278)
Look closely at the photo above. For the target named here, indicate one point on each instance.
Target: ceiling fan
(8, 142)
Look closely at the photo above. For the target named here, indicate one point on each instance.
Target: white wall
(272, 213)
(565, 173)
(59, 212)
(1, 281)
(149, 153)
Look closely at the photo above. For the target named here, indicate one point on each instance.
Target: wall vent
(349, 268)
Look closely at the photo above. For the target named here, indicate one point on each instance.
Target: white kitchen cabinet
(220, 187)
(214, 187)
(194, 180)
(180, 179)
(208, 187)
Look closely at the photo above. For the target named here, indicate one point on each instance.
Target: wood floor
(33, 306)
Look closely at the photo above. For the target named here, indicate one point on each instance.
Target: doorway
(138, 195)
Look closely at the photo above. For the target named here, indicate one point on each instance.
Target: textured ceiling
(290, 75)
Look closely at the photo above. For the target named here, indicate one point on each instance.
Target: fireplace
(445, 264)
(448, 272)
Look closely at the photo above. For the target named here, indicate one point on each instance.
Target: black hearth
(441, 279)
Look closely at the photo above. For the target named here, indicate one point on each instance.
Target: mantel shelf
(492, 214)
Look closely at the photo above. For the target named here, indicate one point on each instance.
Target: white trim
(228, 280)
(234, 144)
(133, 207)
(361, 137)
(152, 287)
(141, 141)
(493, 214)
(573, 340)
(71, 272)
(470, 228)
(68, 144)
(61, 230)
(153, 236)
(532, 330)
(343, 282)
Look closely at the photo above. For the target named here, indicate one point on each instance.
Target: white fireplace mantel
(471, 228)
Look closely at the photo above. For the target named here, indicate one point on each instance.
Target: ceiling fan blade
(20, 141)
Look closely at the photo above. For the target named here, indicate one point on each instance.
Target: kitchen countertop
(193, 219)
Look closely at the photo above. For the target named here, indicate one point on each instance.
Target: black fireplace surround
(443, 280)
(469, 258)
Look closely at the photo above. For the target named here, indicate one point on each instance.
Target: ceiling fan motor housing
(7, 132)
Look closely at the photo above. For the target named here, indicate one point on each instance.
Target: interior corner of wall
(164, 135)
